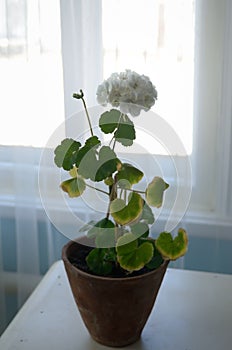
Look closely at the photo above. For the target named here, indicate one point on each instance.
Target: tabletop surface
(193, 311)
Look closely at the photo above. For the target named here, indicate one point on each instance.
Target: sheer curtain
(29, 244)
(82, 50)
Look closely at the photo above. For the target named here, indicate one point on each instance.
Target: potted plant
(116, 269)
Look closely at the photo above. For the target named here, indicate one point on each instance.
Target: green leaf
(74, 187)
(96, 228)
(154, 192)
(96, 167)
(124, 214)
(85, 158)
(129, 173)
(65, 153)
(105, 239)
(108, 121)
(140, 229)
(88, 150)
(156, 260)
(147, 215)
(87, 164)
(103, 230)
(92, 142)
(100, 261)
(126, 244)
(172, 248)
(125, 132)
(121, 124)
(131, 256)
(106, 165)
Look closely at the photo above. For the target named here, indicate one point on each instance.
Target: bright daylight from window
(31, 86)
(152, 37)
(155, 38)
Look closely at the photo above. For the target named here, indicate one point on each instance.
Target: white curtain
(21, 214)
(82, 50)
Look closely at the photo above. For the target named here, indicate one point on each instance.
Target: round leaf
(104, 233)
(99, 226)
(65, 153)
(147, 215)
(74, 187)
(132, 257)
(125, 214)
(129, 173)
(156, 260)
(154, 192)
(172, 248)
(100, 261)
(126, 244)
(109, 121)
(107, 163)
(125, 132)
(91, 144)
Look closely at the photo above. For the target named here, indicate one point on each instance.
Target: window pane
(155, 38)
(31, 86)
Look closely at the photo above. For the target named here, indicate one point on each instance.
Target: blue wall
(204, 254)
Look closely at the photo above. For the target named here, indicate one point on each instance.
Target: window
(31, 85)
(155, 39)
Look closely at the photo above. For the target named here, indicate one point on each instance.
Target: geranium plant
(122, 236)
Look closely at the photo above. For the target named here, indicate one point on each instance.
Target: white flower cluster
(129, 91)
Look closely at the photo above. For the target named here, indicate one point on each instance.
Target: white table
(193, 311)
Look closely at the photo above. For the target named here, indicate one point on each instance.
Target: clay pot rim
(105, 278)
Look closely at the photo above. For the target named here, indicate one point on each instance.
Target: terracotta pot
(114, 310)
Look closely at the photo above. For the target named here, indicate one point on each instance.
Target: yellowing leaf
(130, 255)
(172, 248)
(155, 190)
(74, 187)
(73, 171)
(124, 214)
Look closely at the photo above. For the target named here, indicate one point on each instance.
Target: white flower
(129, 91)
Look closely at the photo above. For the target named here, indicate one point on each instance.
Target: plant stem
(114, 144)
(97, 189)
(111, 141)
(112, 194)
(81, 96)
(87, 114)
